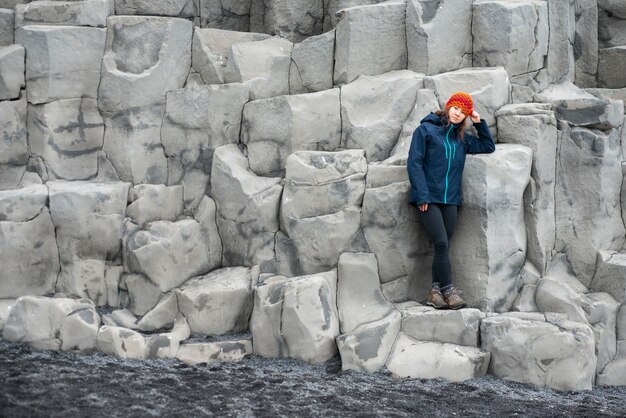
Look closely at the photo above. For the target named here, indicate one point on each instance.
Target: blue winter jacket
(437, 157)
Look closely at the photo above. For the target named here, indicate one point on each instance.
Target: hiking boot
(435, 299)
(452, 298)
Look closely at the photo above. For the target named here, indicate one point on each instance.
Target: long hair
(445, 118)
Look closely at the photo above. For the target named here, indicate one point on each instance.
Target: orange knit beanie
(463, 101)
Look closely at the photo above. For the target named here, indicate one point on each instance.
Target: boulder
(219, 302)
(557, 354)
(11, 71)
(261, 65)
(312, 63)
(14, 151)
(370, 40)
(38, 321)
(359, 299)
(122, 318)
(62, 62)
(295, 20)
(166, 345)
(525, 301)
(555, 296)
(121, 342)
(489, 242)
(534, 125)
(374, 109)
(112, 277)
(247, 209)
(232, 15)
(560, 62)
(296, 317)
(85, 247)
(211, 352)
(588, 184)
(610, 60)
(610, 275)
(614, 374)
(427, 35)
(67, 135)
(206, 216)
(428, 360)
(7, 22)
(601, 313)
(154, 202)
(67, 13)
(5, 309)
(174, 8)
(143, 294)
(28, 249)
(168, 253)
(586, 43)
(211, 51)
(459, 327)
(366, 348)
(611, 29)
(277, 127)
(162, 315)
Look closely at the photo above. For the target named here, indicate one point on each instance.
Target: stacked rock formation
(184, 168)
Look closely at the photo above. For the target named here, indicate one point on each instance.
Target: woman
(435, 165)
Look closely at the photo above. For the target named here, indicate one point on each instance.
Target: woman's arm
(415, 167)
(484, 143)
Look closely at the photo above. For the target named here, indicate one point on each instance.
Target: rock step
(193, 353)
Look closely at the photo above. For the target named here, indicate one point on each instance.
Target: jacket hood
(432, 118)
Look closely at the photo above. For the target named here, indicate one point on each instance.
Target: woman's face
(456, 115)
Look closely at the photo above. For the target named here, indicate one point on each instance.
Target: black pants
(439, 221)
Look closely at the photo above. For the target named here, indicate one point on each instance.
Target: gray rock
(79, 330)
(67, 135)
(525, 302)
(166, 345)
(5, 308)
(112, 277)
(154, 202)
(610, 275)
(67, 13)
(611, 29)
(526, 85)
(609, 94)
(586, 43)
(610, 61)
(374, 109)
(11, 71)
(370, 40)
(614, 374)
(62, 62)
(402, 289)
(331, 7)
(247, 209)
(295, 20)
(560, 269)
(168, 253)
(7, 23)
(489, 88)
(86, 246)
(162, 315)
(138, 74)
(121, 342)
(261, 65)
(28, 252)
(233, 15)
(23, 204)
(359, 299)
(555, 296)
(601, 312)
(534, 125)
(560, 355)
(211, 51)
(428, 33)
(122, 318)
(218, 351)
(588, 184)
(219, 302)
(454, 327)
(175, 8)
(367, 348)
(143, 294)
(489, 242)
(428, 360)
(206, 217)
(275, 128)
(621, 323)
(312, 63)
(560, 63)
(14, 151)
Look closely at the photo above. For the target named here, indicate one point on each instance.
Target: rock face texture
(216, 167)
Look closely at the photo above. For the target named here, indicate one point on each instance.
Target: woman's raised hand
(475, 117)
(423, 207)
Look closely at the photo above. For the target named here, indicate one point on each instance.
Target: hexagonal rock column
(296, 317)
(121, 342)
(373, 110)
(610, 60)
(212, 352)
(277, 127)
(610, 274)
(11, 71)
(586, 43)
(532, 349)
(14, 151)
(28, 248)
(247, 210)
(85, 247)
(428, 360)
(295, 20)
(428, 33)
(312, 63)
(459, 327)
(489, 88)
(7, 22)
(262, 65)
(615, 372)
(611, 28)
(73, 13)
(197, 120)
(131, 96)
(370, 40)
(62, 62)
(232, 15)
(67, 135)
(219, 302)
(488, 248)
(534, 125)
(53, 323)
(154, 202)
(174, 8)
(321, 205)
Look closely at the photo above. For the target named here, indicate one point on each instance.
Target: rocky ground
(34, 383)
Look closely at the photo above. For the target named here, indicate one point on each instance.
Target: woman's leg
(433, 222)
(449, 215)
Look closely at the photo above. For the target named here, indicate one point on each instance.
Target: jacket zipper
(449, 157)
